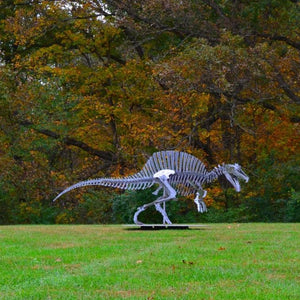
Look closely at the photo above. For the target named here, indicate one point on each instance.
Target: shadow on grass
(153, 227)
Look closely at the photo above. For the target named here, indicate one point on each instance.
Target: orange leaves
(281, 136)
(213, 193)
(268, 131)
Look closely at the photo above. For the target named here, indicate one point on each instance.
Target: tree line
(92, 88)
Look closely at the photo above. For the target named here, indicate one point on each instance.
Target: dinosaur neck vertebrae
(175, 173)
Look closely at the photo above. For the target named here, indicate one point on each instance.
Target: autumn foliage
(92, 88)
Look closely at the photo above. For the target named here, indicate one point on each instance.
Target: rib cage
(186, 166)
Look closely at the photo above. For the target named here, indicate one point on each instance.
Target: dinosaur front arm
(201, 206)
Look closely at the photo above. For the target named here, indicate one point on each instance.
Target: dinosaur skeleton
(175, 173)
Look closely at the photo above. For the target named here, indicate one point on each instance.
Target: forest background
(92, 88)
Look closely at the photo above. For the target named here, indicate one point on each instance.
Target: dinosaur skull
(233, 173)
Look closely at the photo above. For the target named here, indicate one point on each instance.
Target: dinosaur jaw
(236, 184)
(234, 181)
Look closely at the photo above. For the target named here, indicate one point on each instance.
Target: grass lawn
(221, 261)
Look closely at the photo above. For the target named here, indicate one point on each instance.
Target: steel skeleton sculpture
(175, 173)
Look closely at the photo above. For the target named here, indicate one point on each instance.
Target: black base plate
(162, 227)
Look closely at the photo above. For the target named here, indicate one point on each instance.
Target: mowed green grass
(220, 261)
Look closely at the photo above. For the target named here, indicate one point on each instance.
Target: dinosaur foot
(135, 217)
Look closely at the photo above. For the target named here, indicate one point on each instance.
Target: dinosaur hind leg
(163, 212)
(135, 217)
(157, 204)
(169, 194)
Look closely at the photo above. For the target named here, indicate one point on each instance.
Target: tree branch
(287, 89)
(105, 155)
(279, 38)
(217, 9)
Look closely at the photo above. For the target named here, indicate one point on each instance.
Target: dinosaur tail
(129, 183)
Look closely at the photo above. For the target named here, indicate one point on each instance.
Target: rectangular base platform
(164, 226)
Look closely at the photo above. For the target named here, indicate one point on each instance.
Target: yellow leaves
(29, 209)
(26, 26)
(251, 194)
(17, 62)
(54, 53)
(205, 134)
(64, 218)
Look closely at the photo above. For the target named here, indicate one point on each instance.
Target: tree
(91, 88)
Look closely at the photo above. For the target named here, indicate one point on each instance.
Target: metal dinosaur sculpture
(175, 173)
